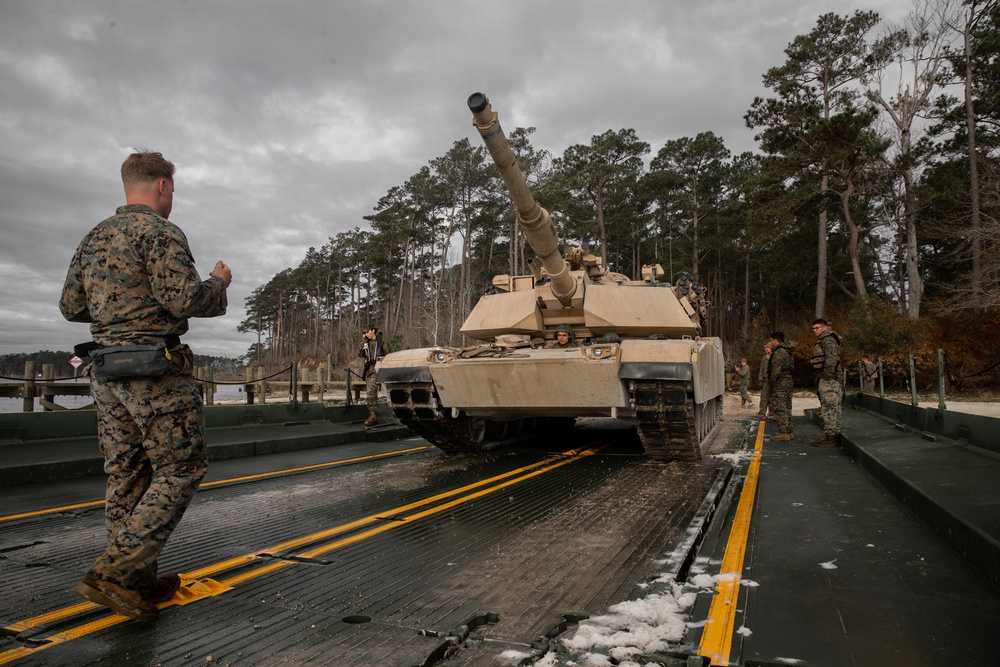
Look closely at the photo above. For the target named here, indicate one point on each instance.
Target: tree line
(874, 192)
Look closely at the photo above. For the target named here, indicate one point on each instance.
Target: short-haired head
(146, 167)
(778, 336)
(821, 321)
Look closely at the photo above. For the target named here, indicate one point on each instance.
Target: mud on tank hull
(475, 401)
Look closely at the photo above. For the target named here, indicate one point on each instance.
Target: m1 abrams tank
(639, 355)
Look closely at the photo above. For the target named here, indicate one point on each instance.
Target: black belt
(83, 350)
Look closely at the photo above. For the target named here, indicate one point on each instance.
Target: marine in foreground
(133, 280)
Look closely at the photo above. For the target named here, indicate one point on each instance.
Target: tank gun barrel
(533, 219)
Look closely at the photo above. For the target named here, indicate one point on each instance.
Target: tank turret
(574, 289)
(636, 351)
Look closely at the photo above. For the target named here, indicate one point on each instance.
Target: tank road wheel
(476, 428)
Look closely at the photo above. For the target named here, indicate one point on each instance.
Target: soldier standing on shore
(869, 374)
(779, 373)
(372, 351)
(743, 371)
(826, 363)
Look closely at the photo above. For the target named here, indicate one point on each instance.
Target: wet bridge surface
(374, 554)
(393, 554)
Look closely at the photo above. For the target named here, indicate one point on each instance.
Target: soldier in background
(779, 374)
(826, 363)
(869, 374)
(743, 372)
(372, 351)
(133, 278)
(765, 383)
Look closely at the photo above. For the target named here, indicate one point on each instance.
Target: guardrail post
(48, 392)
(329, 370)
(941, 404)
(881, 381)
(347, 387)
(293, 385)
(28, 404)
(261, 384)
(210, 385)
(913, 382)
(249, 386)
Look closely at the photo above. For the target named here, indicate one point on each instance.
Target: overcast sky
(289, 120)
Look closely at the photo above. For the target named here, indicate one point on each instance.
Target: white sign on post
(75, 361)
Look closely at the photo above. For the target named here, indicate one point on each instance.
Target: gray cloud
(288, 121)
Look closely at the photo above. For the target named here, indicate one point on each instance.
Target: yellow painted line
(364, 521)
(221, 482)
(717, 639)
(51, 617)
(62, 637)
(315, 466)
(212, 588)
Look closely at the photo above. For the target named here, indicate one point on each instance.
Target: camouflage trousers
(744, 396)
(372, 388)
(152, 436)
(781, 407)
(831, 395)
(765, 397)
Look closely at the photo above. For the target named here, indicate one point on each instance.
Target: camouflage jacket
(779, 367)
(133, 279)
(826, 356)
(743, 371)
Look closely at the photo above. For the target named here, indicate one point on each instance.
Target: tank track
(670, 425)
(418, 407)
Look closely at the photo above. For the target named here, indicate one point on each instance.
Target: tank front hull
(435, 388)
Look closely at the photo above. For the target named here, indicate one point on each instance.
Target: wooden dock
(47, 388)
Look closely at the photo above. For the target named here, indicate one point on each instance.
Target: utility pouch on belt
(130, 361)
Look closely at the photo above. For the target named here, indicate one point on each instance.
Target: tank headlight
(442, 355)
(601, 352)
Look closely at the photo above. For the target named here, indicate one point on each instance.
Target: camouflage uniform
(371, 386)
(744, 372)
(826, 363)
(371, 351)
(779, 371)
(869, 376)
(133, 278)
(765, 387)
